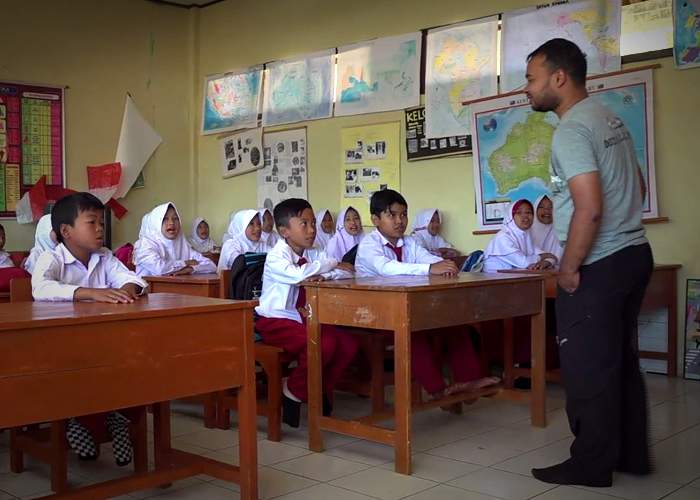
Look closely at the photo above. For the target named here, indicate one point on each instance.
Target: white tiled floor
(484, 454)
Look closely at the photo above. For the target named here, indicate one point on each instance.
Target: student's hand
(448, 253)
(303, 312)
(346, 266)
(317, 277)
(569, 282)
(108, 295)
(183, 271)
(541, 265)
(191, 262)
(549, 256)
(132, 289)
(444, 267)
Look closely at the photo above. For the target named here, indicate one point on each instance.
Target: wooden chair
(49, 445)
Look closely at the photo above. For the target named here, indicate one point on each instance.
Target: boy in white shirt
(79, 268)
(282, 313)
(387, 252)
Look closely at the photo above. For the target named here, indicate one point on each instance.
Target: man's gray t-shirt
(590, 138)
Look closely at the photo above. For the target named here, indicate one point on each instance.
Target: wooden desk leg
(315, 382)
(508, 352)
(672, 335)
(538, 334)
(161, 433)
(377, 369)
(247, 424)
(402, 390)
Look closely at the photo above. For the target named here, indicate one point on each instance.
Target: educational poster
(686, 33)
(371, 159)
(284, 173)
(231, 101)
(461, 65)
(299, 90)
(419, 147)
(692, 330)
(512, 143)
(241, 153)
(646, 26)
(594, 25)
(31, 140)
(378, 75)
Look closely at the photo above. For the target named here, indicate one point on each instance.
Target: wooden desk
(4, 297)
(661, 293)
(200, 285)
(412, 303)
(60, 360)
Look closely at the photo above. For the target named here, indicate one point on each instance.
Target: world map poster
(231, 101)
(686, 33)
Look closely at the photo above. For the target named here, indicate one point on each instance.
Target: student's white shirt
(430, 242)
(376, 258)
(58, 274)
(5, 259)
(282, 275)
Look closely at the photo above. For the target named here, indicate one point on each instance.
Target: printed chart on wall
(419, 147)
(31, 140)
(284, 173)
(513, 144)
(371, 161)
(241, 153)
(231, 101)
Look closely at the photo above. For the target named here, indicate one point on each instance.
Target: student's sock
(80, 439)
(123, 450)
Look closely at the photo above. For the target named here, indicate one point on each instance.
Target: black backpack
(246, 276)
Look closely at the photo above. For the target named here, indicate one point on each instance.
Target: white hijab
(199, 244)
(322, 237)
(421, 233)
(227, 236)
(511, 239)
(543, 235)
(42, 242)
(151, 229)
(342, 241)
(236, 231)
(272, 237)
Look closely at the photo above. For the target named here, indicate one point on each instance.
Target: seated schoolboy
(282, 313)
(542, 230)
(426, 231)
(245, 233)
(512, 247)
(79, 268)
(387, 252)
(269, 236)
(325, 228)
(162, 249)
(348, 233)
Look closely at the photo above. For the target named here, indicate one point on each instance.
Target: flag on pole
(103, 180)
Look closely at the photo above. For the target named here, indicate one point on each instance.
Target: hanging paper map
(513, 144)
(460, 66)
(379, 75)
(594, 25)
(686, 33)
(284, 173)
(299, 90)
(231, 101)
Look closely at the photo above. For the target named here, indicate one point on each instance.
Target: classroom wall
(101, 51)
(235, 34)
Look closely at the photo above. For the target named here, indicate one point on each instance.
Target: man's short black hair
(287, 209)
(67, 209)
(382, 200)
(563, 54)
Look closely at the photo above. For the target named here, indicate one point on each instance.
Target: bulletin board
(31, 140)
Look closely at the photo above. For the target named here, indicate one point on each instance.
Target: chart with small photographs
(31, 140)
(284, 173)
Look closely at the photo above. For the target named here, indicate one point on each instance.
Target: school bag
(351, 255)
(246, 276)
(474, 262)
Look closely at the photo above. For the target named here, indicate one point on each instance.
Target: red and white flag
(103, 180)
(31, 206)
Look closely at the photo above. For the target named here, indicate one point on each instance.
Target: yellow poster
(371, 161)
(11, 187)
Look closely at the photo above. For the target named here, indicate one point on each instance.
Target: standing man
(598, 194)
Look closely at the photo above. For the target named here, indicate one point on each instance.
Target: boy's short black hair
(2, 228)
(382, 200)
(287, 209)
(67, 209)
(563, 54)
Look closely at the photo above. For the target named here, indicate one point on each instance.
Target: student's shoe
(523, 383)
(568, 473)
(80, 440)
(118, 427)
(291, 411)
(641, 467)
(327, 406)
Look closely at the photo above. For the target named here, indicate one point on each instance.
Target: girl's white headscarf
(511, 239)
(421, 233)
(227, 236)
(342, 241)
(322, 237)
(238, 243)
(151, 229)
(272, 237)
(201, 245)
(543, 235)
(42, 242)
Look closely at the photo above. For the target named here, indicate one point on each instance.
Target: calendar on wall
(31, 140)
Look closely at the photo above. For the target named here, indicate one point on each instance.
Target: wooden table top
(421, 283)
(554, 272)
(22, 315)
(194, 279)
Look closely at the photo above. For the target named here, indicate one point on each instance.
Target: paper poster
(379, 75)
(686, 33)
(371, 158)
(419, 147)
(284, 174)
(299, 90)
(646, 26)
(461, 65)
(241, 153)
(12, 187)
(231, 101)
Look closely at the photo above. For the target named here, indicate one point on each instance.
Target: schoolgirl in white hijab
(245, 232)
(512, 247)
(323, 237)
(542, 230)
(426, 231)
(44, 240)
(226, 236)
(348, 233)
(269, 235)
(162, 248)
(201, 244)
